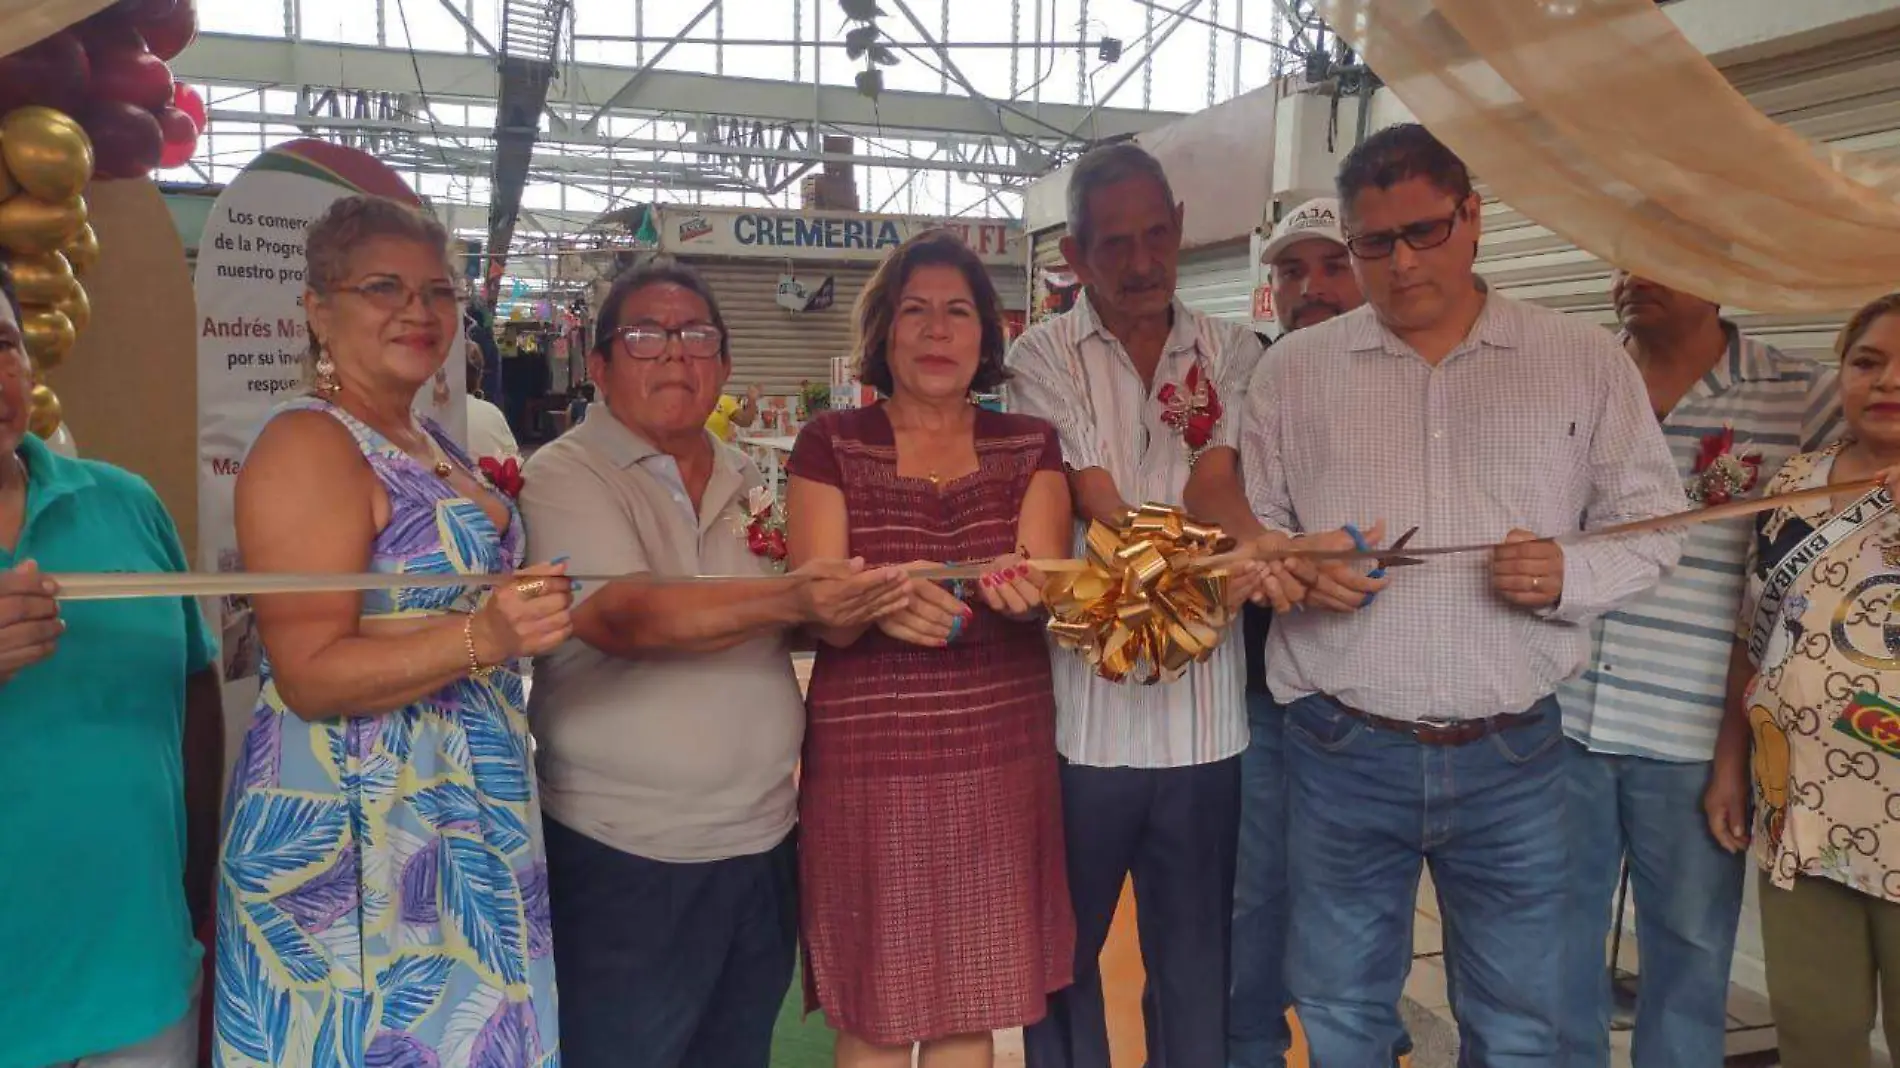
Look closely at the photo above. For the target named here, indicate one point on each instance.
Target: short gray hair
(1104, 166)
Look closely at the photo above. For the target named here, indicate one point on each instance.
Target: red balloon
(138, 78)
(144, 10)
(126, 139)
(181, 137)
(171, 34)
(187, 100)
(53, 72)
(109, 31)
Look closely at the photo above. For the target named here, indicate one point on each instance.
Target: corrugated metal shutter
(1218, 281)
(1846, 95)
(779, 349)
(772, 347)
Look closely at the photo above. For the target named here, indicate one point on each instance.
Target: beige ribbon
(77, 586)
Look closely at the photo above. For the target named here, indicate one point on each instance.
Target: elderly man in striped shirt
(1643, 716)
(1421, 725)
(1150, 774)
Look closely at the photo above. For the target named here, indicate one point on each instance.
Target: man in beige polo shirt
(669, 726)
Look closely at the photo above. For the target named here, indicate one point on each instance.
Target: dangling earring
(327, 384)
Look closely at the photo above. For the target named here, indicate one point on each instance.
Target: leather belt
(1443, 732)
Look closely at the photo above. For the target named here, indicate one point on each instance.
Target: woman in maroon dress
(934, 902)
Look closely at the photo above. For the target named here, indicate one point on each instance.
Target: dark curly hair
(653, 271)
(1396, 153)
(877, 309)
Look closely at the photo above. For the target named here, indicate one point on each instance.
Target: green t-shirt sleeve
(201, 648)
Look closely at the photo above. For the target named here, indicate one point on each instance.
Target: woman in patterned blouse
(1815, 684)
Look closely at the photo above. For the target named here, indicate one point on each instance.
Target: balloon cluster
(93, 100)
(46, 159)
(109, 72)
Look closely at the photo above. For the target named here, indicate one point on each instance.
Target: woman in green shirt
(109, 775)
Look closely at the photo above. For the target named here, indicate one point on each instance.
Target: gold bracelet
(475, 669)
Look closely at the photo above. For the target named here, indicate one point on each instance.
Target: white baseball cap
(1318, 217)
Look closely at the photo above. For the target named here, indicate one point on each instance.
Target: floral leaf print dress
(382, 897)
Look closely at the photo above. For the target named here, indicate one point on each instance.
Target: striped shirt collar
(1747, 360)
(1497, 326)
(1183, 331)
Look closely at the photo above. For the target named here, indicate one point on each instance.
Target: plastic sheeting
(23, 22)
(1598, 119)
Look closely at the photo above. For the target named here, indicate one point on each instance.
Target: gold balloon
(48, 153)
(82, 250)
(8, 186)
(49, 336)
(32, 226)
(42, 413)
(77, 307)
(43, 279)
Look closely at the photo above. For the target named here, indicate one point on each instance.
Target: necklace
(442, 468)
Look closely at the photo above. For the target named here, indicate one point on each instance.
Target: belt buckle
(1439, 725)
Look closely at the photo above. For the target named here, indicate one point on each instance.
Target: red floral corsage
(504, 475)
(765, 527)
(1721, 474)
(1193, 408)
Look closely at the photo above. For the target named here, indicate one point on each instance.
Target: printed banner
(798, 235)
(252, 338)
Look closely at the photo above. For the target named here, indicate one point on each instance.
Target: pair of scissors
(1381, 563)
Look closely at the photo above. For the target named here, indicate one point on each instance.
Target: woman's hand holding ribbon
(932, 618)
(526, 617)
(1012, 588)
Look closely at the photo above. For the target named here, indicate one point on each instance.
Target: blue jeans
(1688, 896)
(1368, 809)
(1257, 1031)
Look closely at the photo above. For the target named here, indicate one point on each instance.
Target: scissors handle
(1359, 544)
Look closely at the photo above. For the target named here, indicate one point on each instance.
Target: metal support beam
(1180, 19)
(456, 78)
(588, 146)
(625, 93)
(474, 34)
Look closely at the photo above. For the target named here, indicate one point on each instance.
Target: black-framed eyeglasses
(647, 341)
(394, 294)
(1421, 235)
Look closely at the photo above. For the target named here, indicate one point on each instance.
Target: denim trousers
(1369, 808)
(1688, 896)
(1257, 1031)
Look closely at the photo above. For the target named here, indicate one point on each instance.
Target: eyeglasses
(394, 294)
(1421, 235)
(647, 341)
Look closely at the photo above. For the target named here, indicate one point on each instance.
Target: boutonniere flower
(1192, 408)
(1721, 474)
(504, 475)
(765, 525)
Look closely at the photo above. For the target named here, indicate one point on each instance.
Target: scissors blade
(1384, 562)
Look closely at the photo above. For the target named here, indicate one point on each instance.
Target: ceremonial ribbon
(1147, 600)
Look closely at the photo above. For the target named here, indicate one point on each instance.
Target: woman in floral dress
(1815, 690)
(382, 897)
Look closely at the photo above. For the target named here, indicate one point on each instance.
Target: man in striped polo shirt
(1642, 717)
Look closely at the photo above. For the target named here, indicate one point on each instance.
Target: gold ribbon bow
(1138, 610)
